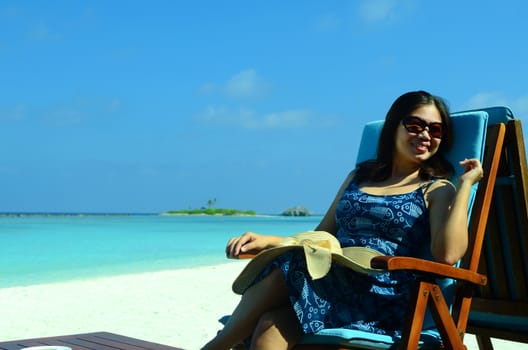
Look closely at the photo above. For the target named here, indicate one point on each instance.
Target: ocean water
(43, 249)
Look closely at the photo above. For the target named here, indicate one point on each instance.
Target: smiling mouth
(421, 148)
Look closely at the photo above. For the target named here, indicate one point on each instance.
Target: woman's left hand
(473, 171)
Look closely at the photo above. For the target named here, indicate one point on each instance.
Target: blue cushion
(498, 114)
(469, 129)
(369, 141)
(469, 126)
(362, 339)
(469, 135)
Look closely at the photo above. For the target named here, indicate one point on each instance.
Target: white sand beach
(177, 307)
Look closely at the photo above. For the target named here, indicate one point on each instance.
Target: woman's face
(415, 146)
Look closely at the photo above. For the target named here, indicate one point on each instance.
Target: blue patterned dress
(377, 303)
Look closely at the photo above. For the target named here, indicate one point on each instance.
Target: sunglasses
(417, 125)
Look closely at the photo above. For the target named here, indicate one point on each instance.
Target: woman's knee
(276, 329)
(271, 289)
(267, 320)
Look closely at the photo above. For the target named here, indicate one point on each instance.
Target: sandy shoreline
(177, 307)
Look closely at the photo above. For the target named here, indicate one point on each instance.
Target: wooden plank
(116, 340)
(505, 256)
(89, 341)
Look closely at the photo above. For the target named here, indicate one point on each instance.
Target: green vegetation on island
(210, 211)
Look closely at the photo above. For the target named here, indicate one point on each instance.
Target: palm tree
(211, 202)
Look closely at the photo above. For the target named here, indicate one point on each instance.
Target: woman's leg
(277, 329)
(266, 295)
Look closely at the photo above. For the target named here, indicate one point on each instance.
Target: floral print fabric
(377, 303)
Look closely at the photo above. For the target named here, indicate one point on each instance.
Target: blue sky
(146, 106)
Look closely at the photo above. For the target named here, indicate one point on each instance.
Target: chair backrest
(500, 309)
(470, 126)
(498, 237)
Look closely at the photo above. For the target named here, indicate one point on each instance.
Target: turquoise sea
(42, 249)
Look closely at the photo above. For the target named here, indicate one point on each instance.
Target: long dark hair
(437, 166)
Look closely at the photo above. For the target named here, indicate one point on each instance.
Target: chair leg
(451, 336)
(415, 316)
(484, 343)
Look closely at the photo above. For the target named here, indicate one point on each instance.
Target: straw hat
(320, 249)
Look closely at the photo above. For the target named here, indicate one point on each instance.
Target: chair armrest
(247, 255)
(420, 266)
(427, 267)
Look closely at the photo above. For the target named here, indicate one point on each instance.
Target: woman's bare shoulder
(441, 183)
(441, 189)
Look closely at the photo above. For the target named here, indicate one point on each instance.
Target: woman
(401, 203)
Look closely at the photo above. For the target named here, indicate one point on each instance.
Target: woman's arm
(448, 211)
(254, 242)
(328, 222)
(250, 242)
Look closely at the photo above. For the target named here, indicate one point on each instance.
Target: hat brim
(355, 258)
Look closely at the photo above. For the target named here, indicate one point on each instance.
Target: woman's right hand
(249, 242)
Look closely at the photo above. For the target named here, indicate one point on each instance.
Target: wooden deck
(92, 341)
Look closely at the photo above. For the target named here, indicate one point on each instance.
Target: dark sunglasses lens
(414, 125)
(435, 130)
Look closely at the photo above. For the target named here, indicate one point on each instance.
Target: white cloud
(13, 113)
(244, 84)
(249, 119)
(289, 119)
(377, 11)
(519, 105)
(485, 99)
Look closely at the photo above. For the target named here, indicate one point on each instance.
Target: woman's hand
(250, 241)
(472, 171)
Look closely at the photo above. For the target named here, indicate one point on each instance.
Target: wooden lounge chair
(434, 278)
(500, 308)
(431, 292)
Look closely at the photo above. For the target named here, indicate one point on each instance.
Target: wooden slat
(89, 341)
(478, 222)
(505, 254)
(520, 167)
(505, 259)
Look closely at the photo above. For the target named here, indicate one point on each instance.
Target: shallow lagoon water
(42, 249)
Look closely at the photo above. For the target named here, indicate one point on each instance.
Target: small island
(297, 211)
(211, 211)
